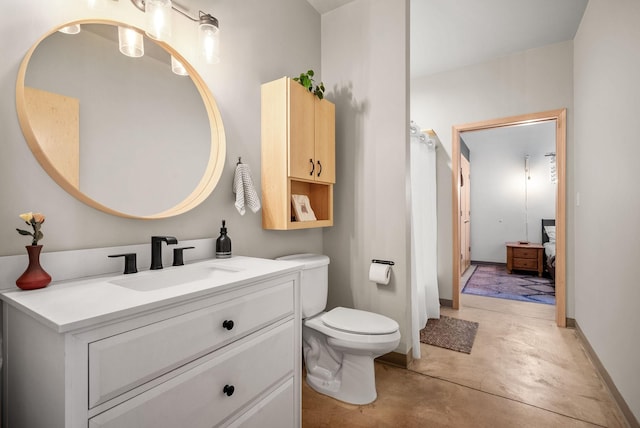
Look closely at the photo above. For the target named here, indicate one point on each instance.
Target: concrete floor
(523, 371)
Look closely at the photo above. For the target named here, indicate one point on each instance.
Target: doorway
(559, 116)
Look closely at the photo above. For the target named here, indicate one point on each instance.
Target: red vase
(34, 277)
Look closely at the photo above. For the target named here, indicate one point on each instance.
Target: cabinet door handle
(228, 389)
(313, 167)
(319, 168)
(228, 324)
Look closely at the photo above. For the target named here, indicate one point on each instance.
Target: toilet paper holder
(383, 262)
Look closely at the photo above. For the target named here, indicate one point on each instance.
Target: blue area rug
(492, 280)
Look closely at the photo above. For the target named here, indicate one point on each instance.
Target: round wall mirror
(124, 135)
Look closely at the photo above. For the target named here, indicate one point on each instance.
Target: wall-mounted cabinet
(298, 154)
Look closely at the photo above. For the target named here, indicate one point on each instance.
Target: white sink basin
(159, 279)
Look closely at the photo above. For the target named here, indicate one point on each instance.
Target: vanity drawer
(196, 399)
(122, 362)
(273, 411)
(525, 253)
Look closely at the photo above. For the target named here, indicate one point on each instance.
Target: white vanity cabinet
(225, 356)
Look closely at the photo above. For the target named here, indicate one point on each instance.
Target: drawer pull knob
(228, 389)
(228, 324)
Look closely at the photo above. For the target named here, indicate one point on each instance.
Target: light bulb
(209, 35)
(158, 15)
(178, 68)
(70, 29)
(131, 42)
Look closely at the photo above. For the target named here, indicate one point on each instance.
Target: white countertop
(69, 305)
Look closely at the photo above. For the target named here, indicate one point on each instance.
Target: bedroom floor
(493, 280)
(522, 371)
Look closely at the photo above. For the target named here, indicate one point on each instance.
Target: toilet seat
(317, 323)
(359, 322)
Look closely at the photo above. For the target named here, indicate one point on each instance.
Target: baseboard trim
(477, 262)
(397, 359)
(446, 302)
(617, 397)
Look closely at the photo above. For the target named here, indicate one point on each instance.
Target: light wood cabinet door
(325, 141)
(301, 141)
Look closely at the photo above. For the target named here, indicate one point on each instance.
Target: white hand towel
(244, 189)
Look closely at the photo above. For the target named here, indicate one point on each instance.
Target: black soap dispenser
(223, 244)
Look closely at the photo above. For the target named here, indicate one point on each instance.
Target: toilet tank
(314, 284)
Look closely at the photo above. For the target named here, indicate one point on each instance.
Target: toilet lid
(356, 321)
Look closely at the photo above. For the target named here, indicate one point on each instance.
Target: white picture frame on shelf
(302, 208)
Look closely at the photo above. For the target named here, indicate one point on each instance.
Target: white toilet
(339, 346)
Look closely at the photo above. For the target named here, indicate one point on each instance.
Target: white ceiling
(324, 6)
(448, 34)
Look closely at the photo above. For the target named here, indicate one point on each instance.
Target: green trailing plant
(306, 80)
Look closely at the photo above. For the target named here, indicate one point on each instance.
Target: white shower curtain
(424, 278)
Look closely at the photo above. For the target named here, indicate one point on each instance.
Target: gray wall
(367, 74)
(527, 82)
(607, 230)
(502, 210)
(254, 50)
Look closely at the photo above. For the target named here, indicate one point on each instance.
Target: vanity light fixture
(159, 26)
(131, 42)
(70, 29)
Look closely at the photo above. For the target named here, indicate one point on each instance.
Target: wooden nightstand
(525, 257)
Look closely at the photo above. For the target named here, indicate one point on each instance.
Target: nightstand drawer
(525, 263)
(525, 253)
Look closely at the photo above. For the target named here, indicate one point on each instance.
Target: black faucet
(178, 256)
(156, 249)
(130, 265)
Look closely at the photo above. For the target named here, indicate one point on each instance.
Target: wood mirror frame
(217, 151)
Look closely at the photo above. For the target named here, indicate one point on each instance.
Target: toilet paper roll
(380, 273)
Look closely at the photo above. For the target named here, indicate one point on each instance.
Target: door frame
(560, 116)
(464, 194)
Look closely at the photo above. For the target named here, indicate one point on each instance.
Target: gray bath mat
(450, 333)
